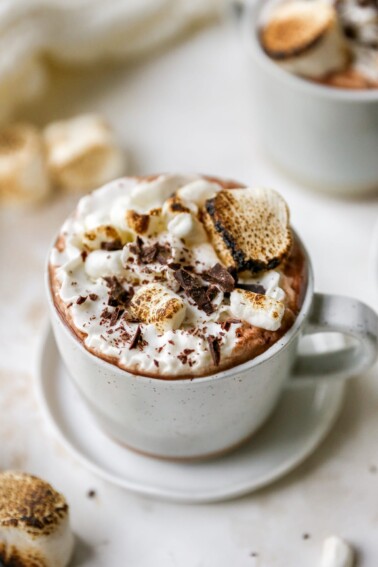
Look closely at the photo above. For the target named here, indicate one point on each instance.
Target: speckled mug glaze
(185, 419)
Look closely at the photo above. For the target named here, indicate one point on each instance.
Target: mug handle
(335, 313)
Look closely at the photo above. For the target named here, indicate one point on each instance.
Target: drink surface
(178, 276)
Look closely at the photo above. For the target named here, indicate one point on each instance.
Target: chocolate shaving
(105, 313)
(201, 299)
(200, 294)
(115, 244)
(81, 299)
(156, 362)
(118, 295)
(255, 288)
(226, 325)
(84, 255)
(184, 355)
(137, 247)
(153, 253)
(93, 296)
(187, 280)
(117, 314)
(233, 271)
(222, 277)
(214, 346)
(135, 340)
(211, 292)
(174, 265)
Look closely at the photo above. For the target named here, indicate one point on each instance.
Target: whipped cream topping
(349, 38)
(139, 278)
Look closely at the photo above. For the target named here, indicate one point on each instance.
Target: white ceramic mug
(325, 136)
(206, 416)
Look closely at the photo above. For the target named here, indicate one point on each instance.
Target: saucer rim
(175, 495)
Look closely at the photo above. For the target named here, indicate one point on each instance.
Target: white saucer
(302, 419)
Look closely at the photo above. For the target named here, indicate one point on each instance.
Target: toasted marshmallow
(23, 170)
(249, 228)
(34, 523)
(176, 205)
(157, 305)
(147, 224)
(305, 38)
(270, 281)
(102, 263)
(198, 191)
(103, 236)
(82, 153)
(336, 553)
(257, 309)
(187, 227)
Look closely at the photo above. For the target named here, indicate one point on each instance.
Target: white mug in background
(324, 136)
(184, 419)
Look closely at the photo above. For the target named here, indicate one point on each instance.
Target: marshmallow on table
(34, 523)
(23, 171)
(336, 553)
(305, 38)
(82, 153)
(158, 305)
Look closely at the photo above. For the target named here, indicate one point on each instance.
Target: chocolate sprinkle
(81, 299)
(214, 346)
(222, 277)
(93, 296)
(135, 340)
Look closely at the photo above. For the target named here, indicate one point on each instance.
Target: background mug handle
(335, 313)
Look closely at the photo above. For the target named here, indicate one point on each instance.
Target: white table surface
(188, 108)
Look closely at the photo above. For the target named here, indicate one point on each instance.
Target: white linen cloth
(83, 31)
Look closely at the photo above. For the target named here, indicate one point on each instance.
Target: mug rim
(272, 351)
(253, 48)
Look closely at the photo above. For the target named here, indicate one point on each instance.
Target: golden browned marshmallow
(257, 309)
(158, 305)
(34, 523)
(82, 153)
(148, 224)
(23, 171)
(249, 228)
(305, 38)
(176, 204)
(182, 222)
(105, 237)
